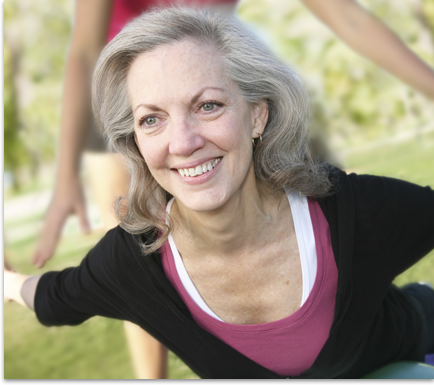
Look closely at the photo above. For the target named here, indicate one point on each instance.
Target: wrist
(68, 166)
(66, 184)
(13, 283)
(67, 175)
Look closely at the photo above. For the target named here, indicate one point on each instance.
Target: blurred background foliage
(36, 36)
(354, 101)
(370, 121)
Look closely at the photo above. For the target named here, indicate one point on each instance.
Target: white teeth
(192, 171)
(198, 170)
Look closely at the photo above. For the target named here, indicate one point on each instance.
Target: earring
(260, 141)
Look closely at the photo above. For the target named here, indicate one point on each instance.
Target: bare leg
(109, 179)
(148, 355)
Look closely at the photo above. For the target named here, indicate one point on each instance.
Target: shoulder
(117, 251)
(114, 243)
(392, 194)
(377, 199)
(373, 189)
(392, 216)
(119, 239)
(395, 209)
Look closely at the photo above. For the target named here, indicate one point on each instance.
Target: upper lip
(195, 163)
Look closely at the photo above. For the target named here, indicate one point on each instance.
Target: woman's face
(192, 126)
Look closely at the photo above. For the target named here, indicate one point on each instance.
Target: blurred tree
(424, 10)
(15, 153)
(36, 40)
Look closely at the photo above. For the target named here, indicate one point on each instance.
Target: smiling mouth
(198, 170)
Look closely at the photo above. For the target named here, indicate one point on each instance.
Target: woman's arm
(368, 36)
(88, 39)
(73, 295)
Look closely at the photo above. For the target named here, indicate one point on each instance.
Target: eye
(148, 121)
(208, 106)
(151, 120)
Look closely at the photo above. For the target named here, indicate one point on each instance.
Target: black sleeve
(402, 218)
(71, 296)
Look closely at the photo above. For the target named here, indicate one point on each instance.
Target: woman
(236, 250)
(96, 23)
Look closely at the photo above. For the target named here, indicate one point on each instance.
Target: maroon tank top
(124, 11)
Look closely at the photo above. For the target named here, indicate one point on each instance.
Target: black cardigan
(379, 227)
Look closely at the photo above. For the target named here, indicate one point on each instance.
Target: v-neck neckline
(158, 277)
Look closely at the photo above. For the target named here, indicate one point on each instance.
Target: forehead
(181, 66)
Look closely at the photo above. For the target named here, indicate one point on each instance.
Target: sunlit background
(370, 121)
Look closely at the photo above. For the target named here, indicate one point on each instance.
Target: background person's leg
(109, 178)
(149, 356)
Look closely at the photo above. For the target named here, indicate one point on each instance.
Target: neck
(241, 224)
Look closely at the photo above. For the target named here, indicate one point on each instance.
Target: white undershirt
(306, 246)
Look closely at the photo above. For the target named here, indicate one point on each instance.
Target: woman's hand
(67, 199)
(19, 287)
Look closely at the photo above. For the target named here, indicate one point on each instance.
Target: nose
(185, 137)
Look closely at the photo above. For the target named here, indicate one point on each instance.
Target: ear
(259, 118)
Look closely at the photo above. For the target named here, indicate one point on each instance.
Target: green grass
(16, 223)
(412, 160)
(97, 348)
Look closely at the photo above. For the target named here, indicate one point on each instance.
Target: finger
(39, 259)
(48, 240)
(83, 218)
(45, 249)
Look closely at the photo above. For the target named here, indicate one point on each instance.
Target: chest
(259, 286)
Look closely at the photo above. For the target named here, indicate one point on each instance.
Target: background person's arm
(370, 37)
(88, 39)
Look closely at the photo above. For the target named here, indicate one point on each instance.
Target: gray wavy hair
(283, 160)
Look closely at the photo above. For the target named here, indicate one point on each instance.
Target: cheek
(234, 132)
(153, 153)
(240, 138)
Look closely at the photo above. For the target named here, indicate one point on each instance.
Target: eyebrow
(195, 97)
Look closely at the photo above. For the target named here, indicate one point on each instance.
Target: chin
(202, 202)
